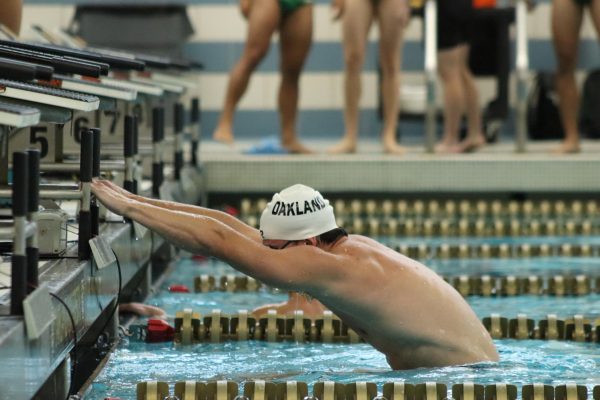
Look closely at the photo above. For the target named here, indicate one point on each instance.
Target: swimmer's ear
(311, 241)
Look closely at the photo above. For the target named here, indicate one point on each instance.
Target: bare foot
(394, 148)
(568, 147)
(447, 148)
(296, 147)
(223, 134)
(471, 144)
(344, 146)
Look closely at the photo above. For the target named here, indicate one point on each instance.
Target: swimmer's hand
(245, 8)
(111, 196)
(118, 189)
(337, 9)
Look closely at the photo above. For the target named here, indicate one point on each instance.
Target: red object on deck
(179, 289)
(231, 210)
(484, 3)
(159, 331)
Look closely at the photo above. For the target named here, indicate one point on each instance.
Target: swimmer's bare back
(404, 309)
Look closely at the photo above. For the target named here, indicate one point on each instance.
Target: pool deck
(494, 168)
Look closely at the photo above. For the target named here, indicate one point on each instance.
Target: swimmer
(143, 310)
(398, 305)
(311, 308)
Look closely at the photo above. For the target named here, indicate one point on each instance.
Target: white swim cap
(296, 213)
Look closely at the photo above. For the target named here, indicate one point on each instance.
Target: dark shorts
(583, 2)
(453, 22)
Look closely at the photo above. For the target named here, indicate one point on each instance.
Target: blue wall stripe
(328, 56)
(541, 54)
(323, 57)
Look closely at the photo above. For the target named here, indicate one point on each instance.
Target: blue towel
(267, 146)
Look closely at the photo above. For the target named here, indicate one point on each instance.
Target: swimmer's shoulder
(352, 238)
(353, 244)
(364, 241)
(356, 245)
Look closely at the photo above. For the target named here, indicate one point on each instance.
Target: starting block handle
(134, 148)
(85, 216)
(24, 71)
(33, 202)
(179, 122)
(19, 209)
(195, 120)
(94, 208)
(158, 134)
(128, 147)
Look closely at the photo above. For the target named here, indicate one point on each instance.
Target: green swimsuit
(288, 6)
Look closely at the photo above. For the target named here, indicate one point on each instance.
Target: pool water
(536, 307)
(188, 269)
(522, 361)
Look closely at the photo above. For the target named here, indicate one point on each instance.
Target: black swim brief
(583, 2)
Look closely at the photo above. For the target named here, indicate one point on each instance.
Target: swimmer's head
(296, 213)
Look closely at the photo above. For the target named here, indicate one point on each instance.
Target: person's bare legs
(356, 21)
(566, 24)
(450, 70)
(392, 16)
(263, 21)
(475, 137)
(295, 41)
(11, 13)
(595, 14)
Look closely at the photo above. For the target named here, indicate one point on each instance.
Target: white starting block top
(149, 89)
(166, 86)
(18, 116)
(48, 95)
(97, 88)
(5, 270)
(188, 83)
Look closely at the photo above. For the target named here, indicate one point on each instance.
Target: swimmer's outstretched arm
(192, 232)
(225, 218)
(299, 268)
